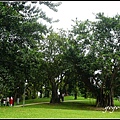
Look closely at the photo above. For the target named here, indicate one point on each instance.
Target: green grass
(80, 108)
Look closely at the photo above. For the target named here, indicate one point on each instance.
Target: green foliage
(66, 60)
(20, 34)
(97, 49)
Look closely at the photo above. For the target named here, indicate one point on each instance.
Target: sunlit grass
(70, 108)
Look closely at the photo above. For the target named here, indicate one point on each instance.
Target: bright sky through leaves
(83, 10)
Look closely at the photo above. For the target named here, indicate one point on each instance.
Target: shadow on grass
(68, 104)
(71, 105)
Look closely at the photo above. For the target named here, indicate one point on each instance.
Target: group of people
(7, 101)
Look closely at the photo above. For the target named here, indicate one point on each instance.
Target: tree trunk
(85, 93)
(34, 91)
(75, 97)
(55, 98)
(41, 92)
(105, 99)
(104, 96)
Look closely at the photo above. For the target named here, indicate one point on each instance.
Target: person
(62, 97)
(4, 101)
(11, 101)
(58, 96)
(18, 100)
(7, 101)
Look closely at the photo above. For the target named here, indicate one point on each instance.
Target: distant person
(62, 97)
(7, 101)
(4, 101)
(11, 101)
(58, 96)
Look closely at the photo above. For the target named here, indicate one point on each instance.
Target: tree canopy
(84, 59)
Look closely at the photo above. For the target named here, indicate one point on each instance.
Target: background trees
(83, 59)
(98, 49)
(20, 34)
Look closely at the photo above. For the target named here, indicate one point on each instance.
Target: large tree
(106, 39)
(20, 34)
(53, 58)
(94, 46)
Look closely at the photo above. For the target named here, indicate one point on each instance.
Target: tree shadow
(71, 105)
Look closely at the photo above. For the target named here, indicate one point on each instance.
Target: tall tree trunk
(41, 92)
(55, 97)
(105, 99)
(34, 91)
(75, 93)
(75, 97)
(100, 100)
(108, 94)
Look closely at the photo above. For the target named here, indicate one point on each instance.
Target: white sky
(83, 10)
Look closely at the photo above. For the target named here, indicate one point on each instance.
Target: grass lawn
(70, 108)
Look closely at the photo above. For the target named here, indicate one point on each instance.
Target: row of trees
(85, 58)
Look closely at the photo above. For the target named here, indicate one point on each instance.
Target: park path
(30, 104)
(43, 103)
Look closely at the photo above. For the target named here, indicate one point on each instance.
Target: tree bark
(41, 92)
(55, 97)
(103, 98)
(75, 96)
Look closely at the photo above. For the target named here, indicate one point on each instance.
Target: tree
(107, 32)
(52, 57)
(95, 47)
(20, 36)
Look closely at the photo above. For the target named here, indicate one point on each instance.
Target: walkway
(44, 102)
(30, 104)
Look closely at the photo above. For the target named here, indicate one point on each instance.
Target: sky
(81, 10)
